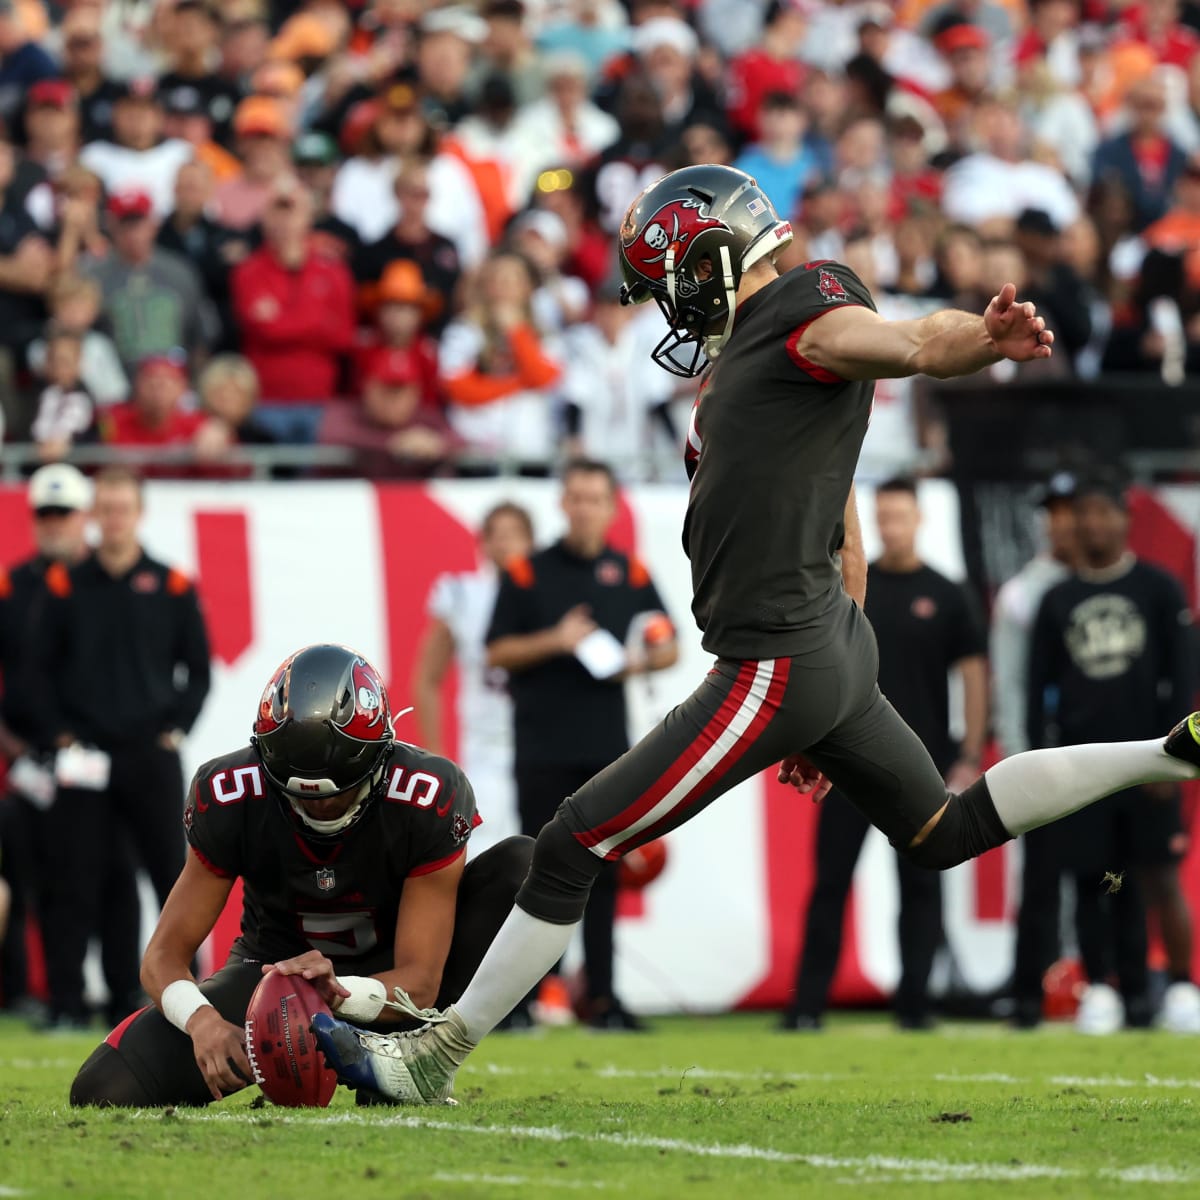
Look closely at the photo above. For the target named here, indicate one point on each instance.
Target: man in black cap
(1111, 657)
(1016, 606)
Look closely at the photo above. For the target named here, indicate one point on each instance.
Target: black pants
(147, 1062)
(540, 790)
(17, 868)
(841, 830)
(95, 839)
(1037, 920)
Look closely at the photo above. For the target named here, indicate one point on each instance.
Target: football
(281, 1049)
(643, 866)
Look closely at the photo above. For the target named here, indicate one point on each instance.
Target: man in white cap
(666, 49)
(60, 498)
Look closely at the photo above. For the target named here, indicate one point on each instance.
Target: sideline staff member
(926, 626)
(122, 666)
(568, 722)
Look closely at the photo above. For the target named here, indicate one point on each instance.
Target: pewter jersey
(772, 448)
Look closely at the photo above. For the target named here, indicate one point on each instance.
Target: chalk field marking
(10, 1191)
(695, 1074)
(884, 1166)
(524, 1181)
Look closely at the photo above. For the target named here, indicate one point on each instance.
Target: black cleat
(794, 1022)
(1184, 740)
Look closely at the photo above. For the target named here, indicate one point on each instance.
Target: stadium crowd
(388, 226)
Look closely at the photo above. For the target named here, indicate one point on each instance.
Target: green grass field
(720, 1107)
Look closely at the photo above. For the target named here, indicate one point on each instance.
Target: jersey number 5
(413, 787)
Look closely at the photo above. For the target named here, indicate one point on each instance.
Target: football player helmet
(324, 727)
(685, 242)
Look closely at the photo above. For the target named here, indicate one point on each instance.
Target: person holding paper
(120, 671)
(559, 629)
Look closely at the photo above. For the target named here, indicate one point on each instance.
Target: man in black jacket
(120, 671)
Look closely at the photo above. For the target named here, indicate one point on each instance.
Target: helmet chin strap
(336, 824)
(669, 270)
(714, 341)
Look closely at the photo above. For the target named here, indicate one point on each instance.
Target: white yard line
(875, 1165)
(523, 1181)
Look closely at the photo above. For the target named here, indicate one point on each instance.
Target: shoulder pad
(178, 584)
(520, 570)
(58, 580)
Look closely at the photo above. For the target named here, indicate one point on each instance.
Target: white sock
(1040, 786)
(524, 950)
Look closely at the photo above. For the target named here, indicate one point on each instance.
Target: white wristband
(180, 1000)
(366, 1000)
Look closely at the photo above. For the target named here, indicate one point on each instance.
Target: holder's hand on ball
(318, 970)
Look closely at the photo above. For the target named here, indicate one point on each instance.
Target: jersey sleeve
(818, 287)
(213, 827)
(444, 826)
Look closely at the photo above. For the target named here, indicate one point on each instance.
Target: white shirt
(616, 386)
(982, 186)
(1016, 608)
(542, 139)
(364, 196)
(519, 426)
(154, 169)
(464, 601)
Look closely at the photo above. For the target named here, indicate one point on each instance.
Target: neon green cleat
(1184, 740)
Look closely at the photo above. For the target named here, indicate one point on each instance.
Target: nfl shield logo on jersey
(325, 879)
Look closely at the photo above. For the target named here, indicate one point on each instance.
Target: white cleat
(1101, 1011)
(1181, 1009)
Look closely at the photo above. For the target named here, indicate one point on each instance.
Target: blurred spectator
(700, 143)
(1017, 604)
(593, 28)
(190, 35)
(154, 300)
(490, 134)
(1110, 651)
(1155, 24)
(228, 392)
(666, 48)
(1144, 159)
(636, 158)
(138, 156)
(26, 261)
(1059, 119)
(508, 52)
(1183, 119)
(617, 405)
(991, 16)
(959, 263)
(155, 415)
(769, 66)
(589, 250)
(1052, 284)
(364, 191)
(82, 67)
(404, 306)
(460, 609)
(914, 179)
(77, 218)
(560, 299)
(191, 233)
(447, 40)
(315, 160)
(999, 181)
(74, 305)
(245, 36)
(22, 62)
(779, 160)
(1052, 39)
(51, 126)
(965, 48)
(295, 307)
(496, 373)
(263, 140)
(1081, 251)
(819, 220)
(188, 119)
(123, 670)
(825, 100)
(1178, 230)
(393, 432)
(411, 238)
(564, 127)
(66, 412)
